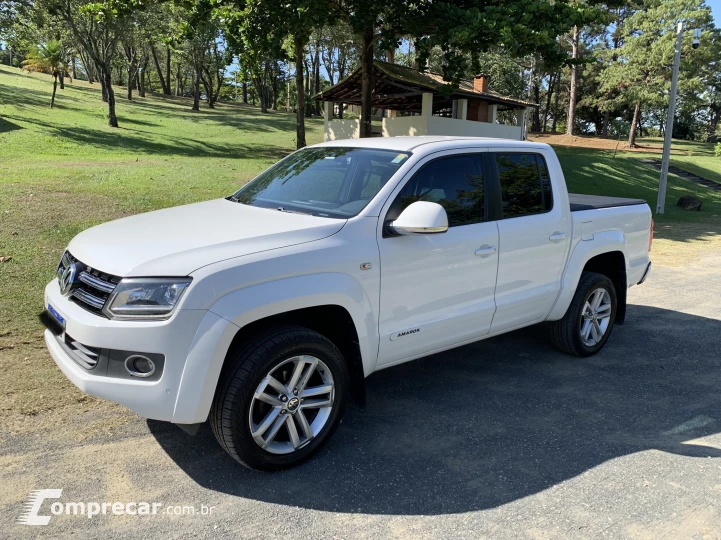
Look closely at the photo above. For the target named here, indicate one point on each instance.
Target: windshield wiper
(232, 198)
(281, 209)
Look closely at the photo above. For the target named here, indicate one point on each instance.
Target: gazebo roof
(400, 88)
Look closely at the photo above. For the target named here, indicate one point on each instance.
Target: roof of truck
(430, 143)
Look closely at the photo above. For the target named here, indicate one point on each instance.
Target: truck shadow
(493, 422)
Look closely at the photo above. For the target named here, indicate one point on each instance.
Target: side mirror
(421, 218)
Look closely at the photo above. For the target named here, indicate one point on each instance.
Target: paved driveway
(505, 438)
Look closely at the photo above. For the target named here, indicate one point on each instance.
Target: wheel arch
(337, 300)
(612, 264)
(605, 254)
(331, 321)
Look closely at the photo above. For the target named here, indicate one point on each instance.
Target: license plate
(57, 321)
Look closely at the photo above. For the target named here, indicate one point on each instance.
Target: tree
(48, 58)
(641, 76)
(97, 28)
(457, 27)
(256, 31)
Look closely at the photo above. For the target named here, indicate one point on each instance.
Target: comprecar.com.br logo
(32, 514)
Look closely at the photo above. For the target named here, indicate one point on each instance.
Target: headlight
(145, 298)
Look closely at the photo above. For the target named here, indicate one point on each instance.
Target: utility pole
(661, 202)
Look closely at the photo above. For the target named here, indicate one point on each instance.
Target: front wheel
(281, 399)
(587, 324)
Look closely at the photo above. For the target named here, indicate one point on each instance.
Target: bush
(717, 149)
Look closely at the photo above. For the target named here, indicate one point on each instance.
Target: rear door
(437, 289)
(534, 233)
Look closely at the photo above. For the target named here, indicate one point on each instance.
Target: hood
(177, 241)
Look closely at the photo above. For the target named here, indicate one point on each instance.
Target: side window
(525, 184)
(454, 182)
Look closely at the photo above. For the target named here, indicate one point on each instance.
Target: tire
(569, 333)
(240, 406)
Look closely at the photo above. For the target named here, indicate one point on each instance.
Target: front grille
(92, 287)
(86, 356)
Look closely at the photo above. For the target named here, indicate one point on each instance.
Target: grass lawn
(63, 170)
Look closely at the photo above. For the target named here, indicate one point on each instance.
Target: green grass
(63, 170)
(598, 172)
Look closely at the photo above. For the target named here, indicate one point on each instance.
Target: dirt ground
(579, 141)
(505, 438)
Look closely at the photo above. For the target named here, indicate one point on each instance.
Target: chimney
(480, 83)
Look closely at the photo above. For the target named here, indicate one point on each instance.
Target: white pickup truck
(264, 312)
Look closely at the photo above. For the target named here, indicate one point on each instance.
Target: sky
(716, 10)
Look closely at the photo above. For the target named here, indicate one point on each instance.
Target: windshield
(328, 181)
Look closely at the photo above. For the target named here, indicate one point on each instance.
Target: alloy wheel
(595, 317)
(292, 404)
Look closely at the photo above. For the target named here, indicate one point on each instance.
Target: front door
(437, 289)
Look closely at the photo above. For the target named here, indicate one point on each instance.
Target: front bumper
(173, 338)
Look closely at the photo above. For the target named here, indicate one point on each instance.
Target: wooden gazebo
(419, 103)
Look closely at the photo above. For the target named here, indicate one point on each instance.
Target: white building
(420, 103)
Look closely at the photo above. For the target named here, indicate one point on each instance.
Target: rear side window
(525, 184)
(454, 182)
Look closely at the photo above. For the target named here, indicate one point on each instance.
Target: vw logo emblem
(67, 279)
(293, 404)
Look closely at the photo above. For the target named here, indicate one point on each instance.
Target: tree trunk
(85, 59)
(196, 89)
(177, 81)
(55, 87)
(298, 44)
(75, 75)
(107, 77)
(318, 112)
(634, 124)
(103, 89)
(574, 79)
(208, 85)
(367, 82)
(164, 84)
(131, 82)
(245, 90)
(604, 124)
(141, 80)
(262, 94)
(167, 71)
(61, 77)
(340, 111)
(536, 122)
(391, 56)
(275, 86)
(549, 95)
(307, 105)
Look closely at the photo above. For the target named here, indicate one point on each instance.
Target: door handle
(557, 237)
(485, 251)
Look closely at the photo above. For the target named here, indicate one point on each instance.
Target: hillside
(63, 170)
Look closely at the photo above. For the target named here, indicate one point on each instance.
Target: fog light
(139, 365)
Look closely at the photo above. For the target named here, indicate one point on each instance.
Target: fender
(585, 250)
(244, 306)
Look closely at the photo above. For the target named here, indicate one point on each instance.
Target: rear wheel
(587, 324)
(281, 399)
